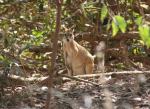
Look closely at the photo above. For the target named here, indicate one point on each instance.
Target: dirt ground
(112, 92)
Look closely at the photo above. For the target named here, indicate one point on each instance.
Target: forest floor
(123, 91)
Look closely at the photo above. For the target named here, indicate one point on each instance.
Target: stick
(110, 73)
(43, 80)
(78, 79)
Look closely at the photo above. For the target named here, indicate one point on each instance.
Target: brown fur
(77, 59)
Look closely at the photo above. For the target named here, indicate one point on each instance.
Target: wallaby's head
(68, 38)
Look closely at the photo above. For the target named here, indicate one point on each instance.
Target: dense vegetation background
(27, 30)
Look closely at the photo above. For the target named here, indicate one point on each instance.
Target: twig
(111, 73)
(78, 79)
(44, 80)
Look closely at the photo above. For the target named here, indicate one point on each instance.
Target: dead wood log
(18, 80)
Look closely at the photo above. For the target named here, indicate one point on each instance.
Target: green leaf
(144, 32)
(83, 10)
(104, 13)
(130, 1)
(115, 28)
(135, 14)
(138, 21)
(121, 23)
(1, 57)
(37, 33)
(108, 26)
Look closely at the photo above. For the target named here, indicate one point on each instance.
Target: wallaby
(78, 60)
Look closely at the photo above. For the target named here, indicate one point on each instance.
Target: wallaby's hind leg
(89, 68)
(78, 71)
(70, 71)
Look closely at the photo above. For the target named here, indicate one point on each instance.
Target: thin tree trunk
(54, 52)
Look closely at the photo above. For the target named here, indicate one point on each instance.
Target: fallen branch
(17, 80)
(112, 73)
(29, 79)
(78, 79)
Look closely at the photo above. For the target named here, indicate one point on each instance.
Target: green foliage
(104, 13)
(31, 25)
(118, 23)
(144, 31)
(37, 37)
(5, 61)
(37, 34)
(135, 14)
(121, 23)
(137, 47)
(120, 66)
(1, 58)
(130, 1)
(138, 20)
(115, 28)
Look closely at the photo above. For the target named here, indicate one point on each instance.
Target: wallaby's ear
(72, 34)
